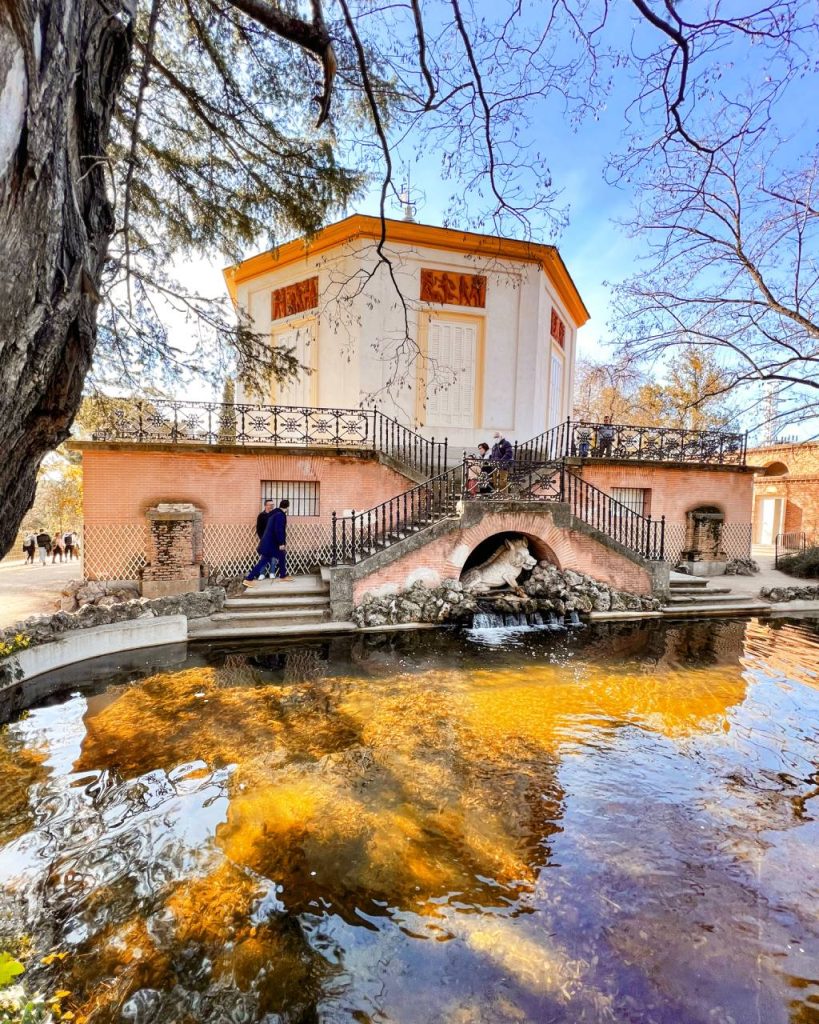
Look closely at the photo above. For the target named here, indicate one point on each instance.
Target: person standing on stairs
(502, 458)
(261, 522)
(272, 546)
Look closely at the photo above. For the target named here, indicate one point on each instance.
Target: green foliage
(804, 563)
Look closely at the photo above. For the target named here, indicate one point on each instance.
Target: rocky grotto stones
(547, 589)
(777, 595)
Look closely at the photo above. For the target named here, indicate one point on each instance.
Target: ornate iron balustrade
(170, 421)
(359, 535)
(639, 533)
(516, 481)
(637, 443)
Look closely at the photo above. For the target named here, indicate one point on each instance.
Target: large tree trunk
(62, 64)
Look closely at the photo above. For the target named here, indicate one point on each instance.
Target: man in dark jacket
(262, 517)
(501, 458)
(272, 546)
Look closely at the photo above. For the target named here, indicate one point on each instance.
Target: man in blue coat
(272, 546)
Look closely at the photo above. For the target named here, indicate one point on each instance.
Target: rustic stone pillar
(174, 550)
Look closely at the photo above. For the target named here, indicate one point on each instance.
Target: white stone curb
(82, 644)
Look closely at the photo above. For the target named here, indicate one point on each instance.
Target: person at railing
(501, 458)
(605, 438)
(272, 547)
(478, 472)
(584, 435)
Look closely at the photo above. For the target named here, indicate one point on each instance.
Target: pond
(613, 824)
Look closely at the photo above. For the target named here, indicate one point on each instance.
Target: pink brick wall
(674, 491)
(568, 549)
(120, 485)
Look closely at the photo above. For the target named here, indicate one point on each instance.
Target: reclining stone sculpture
(501, 570)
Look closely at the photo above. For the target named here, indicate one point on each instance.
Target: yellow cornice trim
(398, 231)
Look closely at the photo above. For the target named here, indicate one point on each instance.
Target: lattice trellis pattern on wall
(736, 540)
(114, 551)
(230, 548)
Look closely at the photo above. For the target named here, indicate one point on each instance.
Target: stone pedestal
(174, 550)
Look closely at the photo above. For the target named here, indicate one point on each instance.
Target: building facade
(786, 491)
(410, 352)
(452, 333)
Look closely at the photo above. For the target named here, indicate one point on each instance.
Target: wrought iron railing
(359, 535)
(634, 531)
(788, 544)
(635, 443)
(515, 481)
(170, 421)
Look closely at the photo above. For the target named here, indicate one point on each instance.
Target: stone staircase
(693, 596)
(296, 606)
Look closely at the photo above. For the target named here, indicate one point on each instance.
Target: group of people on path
(490, 470)
(271, 529)
(42, 544)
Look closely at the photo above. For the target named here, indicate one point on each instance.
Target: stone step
(698, 591)
(286, 588)
(739, 606)
(274, 615)
(679, 579)
(206, 630)
(257, 602)
(709, 596)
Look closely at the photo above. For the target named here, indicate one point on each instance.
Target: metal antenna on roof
(406, 198)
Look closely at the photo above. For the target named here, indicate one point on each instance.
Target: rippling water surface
(614, 825)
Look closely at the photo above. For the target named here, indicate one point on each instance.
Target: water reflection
(607, 826)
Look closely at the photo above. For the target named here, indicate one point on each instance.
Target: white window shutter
(297, 391)
(452, 351)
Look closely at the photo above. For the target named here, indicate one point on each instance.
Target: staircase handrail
(356, 535)
(639, 533)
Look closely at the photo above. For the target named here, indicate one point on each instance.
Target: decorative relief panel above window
(558, 329)
(294, 298)
(453, 289)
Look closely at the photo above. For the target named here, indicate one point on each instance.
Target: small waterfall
(487, 620)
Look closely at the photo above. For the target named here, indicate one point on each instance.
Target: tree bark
(62, 65)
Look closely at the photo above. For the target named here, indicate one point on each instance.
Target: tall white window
(301, 389)
(452, 350)
(556, 391)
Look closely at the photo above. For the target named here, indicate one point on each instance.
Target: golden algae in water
(584, 834)
(21, 768)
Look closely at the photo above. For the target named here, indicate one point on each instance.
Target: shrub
(803, 563)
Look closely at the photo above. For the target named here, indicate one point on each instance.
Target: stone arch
(537, 528)
(485, 548)
(776, 469)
